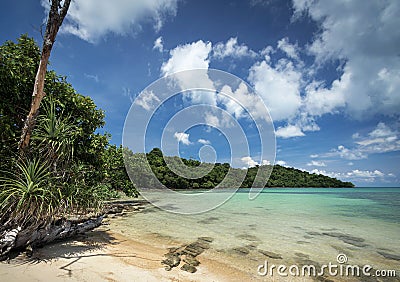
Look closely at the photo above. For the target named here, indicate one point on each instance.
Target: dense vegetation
(280, 176)
(69, 168)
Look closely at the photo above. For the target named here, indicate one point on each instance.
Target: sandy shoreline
(104, 255)
(113, 252)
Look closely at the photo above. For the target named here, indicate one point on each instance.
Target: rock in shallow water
(390, 256)
(188, 252)
(191, 260)
(241, 251)
(195, 249)
(270, 254)
(171, 261)
(189, 268)
(301, 255)
(206, 239)
(351, 240)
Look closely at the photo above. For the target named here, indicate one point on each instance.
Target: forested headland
(280, 176)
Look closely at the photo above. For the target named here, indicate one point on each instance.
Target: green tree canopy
(91, 151)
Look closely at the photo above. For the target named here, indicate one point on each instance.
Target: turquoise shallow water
(299, 224)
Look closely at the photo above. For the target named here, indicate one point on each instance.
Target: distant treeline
(279, 176)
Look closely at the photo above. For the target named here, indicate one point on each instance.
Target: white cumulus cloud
(381, 139)
(92, 19)
(188, 56)
(289, 131)
(232, 49)
(250, 162)
(320, 100)
(279, 87)
(281, 163)
(242, 102)
(182, 137)
(291, 50)
(195, 55)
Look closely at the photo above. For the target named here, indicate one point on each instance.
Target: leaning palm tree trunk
(57, 14)
(17, 238)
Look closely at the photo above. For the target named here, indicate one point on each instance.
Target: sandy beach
(131, 245)
(103, 255)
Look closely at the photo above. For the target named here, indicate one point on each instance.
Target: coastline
(104, 255)
(136, 237)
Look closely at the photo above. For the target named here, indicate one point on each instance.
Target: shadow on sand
(73, 249)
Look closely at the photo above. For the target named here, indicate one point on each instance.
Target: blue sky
(328, 71)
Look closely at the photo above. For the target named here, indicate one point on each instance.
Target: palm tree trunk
(16, 238)
(57, 14)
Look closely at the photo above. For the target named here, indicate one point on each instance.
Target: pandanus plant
(29, 195)
(54, 136)
(32, 193)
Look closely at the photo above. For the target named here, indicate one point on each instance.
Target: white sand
(107, 256)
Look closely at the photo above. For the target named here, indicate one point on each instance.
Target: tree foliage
(70, 167)
(18, 64)
(114, 171)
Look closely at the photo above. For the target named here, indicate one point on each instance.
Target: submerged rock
(301, 255)
(189, 268)
(251, 246)
(390, 256)
(208, 220)
(248, 237)
(313, 233)
(191, 260)
(351, 240)
(171, 261)
(195, 249)
(188, 252)
(302, 242)
(270, 254)
(241, 251)
(206, 239)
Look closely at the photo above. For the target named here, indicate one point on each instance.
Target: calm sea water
(299, 225)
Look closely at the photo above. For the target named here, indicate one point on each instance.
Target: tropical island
(280, 176)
